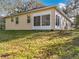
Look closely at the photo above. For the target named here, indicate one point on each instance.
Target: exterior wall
(23, 25)
(58, 27)
(64, 23)
(52, 18)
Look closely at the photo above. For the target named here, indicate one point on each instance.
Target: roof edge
(41, 9)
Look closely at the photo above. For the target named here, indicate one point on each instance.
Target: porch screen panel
(57, 20)
(37, 21)
(45, 20)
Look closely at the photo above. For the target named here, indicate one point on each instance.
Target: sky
(52, 2)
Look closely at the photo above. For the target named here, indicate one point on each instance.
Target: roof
(38, 9)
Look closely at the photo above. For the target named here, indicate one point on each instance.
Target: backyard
(39, 45)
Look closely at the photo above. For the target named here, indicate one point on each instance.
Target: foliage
(72, 8)
(12, 7)
(77, 21)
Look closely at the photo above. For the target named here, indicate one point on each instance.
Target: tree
(9, 5)
(72, 8)
(77, 21)
(14, 6)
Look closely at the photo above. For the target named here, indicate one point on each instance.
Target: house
(46, 18)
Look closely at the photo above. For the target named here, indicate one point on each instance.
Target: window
(57, 20)
(28, 19)
(12, 19)
(37, 21)
(46, 20)
(17, 20)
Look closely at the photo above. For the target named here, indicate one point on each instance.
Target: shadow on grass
(51, 34)
(68, 50)
(12, 35)
(75, 41)
(61, 35)
(16, 34)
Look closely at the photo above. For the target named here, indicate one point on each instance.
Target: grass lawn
(39, 45)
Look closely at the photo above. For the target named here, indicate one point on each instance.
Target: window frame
(57, 20)
(17, 20)
(46, 20)
(28, 19)
(39, 22)
(12, 19)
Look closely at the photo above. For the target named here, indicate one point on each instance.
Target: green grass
(39, 45)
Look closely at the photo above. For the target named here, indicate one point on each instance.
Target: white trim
(41, 27)
(42, 13)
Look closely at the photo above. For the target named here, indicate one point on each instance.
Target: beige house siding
(53, 19)
(23, 25)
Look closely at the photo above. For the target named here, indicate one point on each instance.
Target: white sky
(62, 5)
